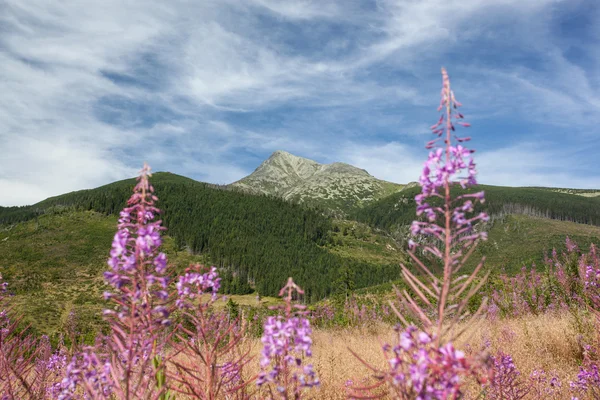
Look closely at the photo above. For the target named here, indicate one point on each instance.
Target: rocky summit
(337, 186)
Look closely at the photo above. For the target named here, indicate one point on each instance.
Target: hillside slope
(257, 241)
(54, 265)
(525, 222)
(398, 209)
(53, 253)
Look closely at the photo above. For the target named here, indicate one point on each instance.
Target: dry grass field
(551, 342)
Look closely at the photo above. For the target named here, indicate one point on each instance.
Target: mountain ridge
(338, 186)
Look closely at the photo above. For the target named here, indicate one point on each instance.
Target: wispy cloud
(208, 89)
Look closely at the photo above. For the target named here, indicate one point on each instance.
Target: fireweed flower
(22, 371)
(420, 370)
(211, 345)
(4, 320)
(137, 269)
(443, 169)
(87, 371)
(544, 384)
(194, 284)
(48, 370)
(423, 364)
(286, 342)
(506, 380)
(55, 366)
(139, 313)
(592, 284)
(588, 378)
(447, 224)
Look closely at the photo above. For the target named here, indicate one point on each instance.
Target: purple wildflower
(134, 260)
(443, 167)
(505, 382)
(86, 370)
(447, 222)
(423, 364)
(592, 284)
(544, 384)
(139, 313)
(588, 378)
(136, 267)
(49, 369)
(194, 284)
(211, 345)
(286, 342)
(420, 370)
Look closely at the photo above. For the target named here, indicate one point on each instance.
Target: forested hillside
(399, 208)
(525, 223)
(258, 241)
(53, 253)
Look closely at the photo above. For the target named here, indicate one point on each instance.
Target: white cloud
(16, 192)
(301, 9)
(393, 162)
(525, 165)
(40, 168)
(522, 164)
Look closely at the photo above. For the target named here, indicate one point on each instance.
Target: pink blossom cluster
(588, 379)
(289, 340)
(286, 342)
(443, 169)
(193, 285)
(587, 382)
(51, 366)
(570, 279)
(544, 384)
(421, 370)
(139, 313)
(4, 320)
(528, 292)
(506, 380)
(137, 269)
(88, 372)
(355, 311)
(423, 364)
(211, 355)
(592, 284)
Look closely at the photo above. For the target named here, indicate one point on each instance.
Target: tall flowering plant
(286, 342)
(450, 221)
(127, 364)
(28, 367)
(423, 363)
(588, 378)
(210, 351)
(589, 269)
(506, 382)
(17, 356)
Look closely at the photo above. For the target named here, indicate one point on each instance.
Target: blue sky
(208, 89)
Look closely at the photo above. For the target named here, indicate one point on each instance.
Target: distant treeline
(399, 208)
(258, 241)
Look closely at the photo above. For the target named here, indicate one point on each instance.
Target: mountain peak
(338, 185)
(282, 153)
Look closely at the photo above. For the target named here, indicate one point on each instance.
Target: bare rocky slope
(337, 186)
